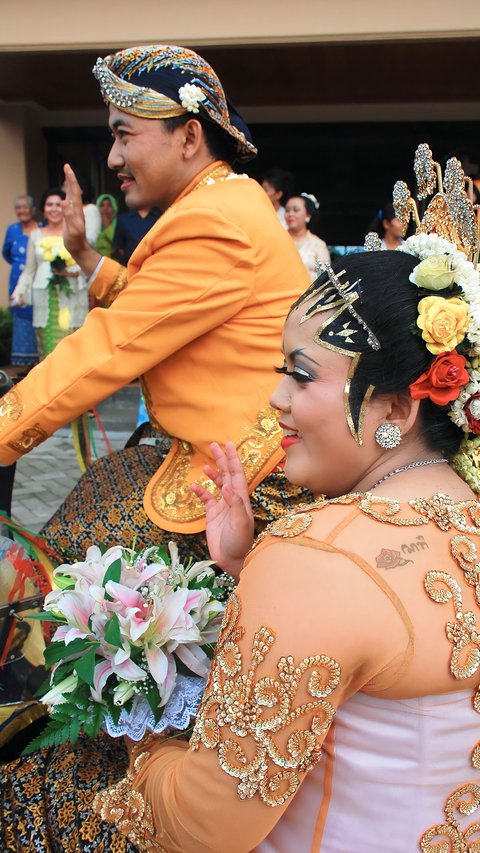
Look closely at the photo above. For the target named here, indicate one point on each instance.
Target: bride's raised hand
(230, 517)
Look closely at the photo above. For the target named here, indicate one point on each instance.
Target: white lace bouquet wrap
(132, 649)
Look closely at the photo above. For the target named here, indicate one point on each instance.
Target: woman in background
(278, 185)
(24, 343)
(298, 214)
(388, 226)
(59, 296)
(108, 206)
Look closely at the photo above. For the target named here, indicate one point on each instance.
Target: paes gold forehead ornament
(343, 331)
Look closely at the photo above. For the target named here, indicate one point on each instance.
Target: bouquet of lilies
(130, 624)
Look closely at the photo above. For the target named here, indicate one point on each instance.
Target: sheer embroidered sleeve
(295, 643)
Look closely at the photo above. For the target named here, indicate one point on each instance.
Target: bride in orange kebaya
(338, 715)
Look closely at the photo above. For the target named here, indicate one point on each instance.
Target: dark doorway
(350, 167)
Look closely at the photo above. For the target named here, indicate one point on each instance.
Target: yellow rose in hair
(434, 273)
(444, 322)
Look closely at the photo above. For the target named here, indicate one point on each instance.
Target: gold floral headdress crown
(446, 242)
(451, 213)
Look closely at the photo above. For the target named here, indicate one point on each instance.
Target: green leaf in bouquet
(209, 650)
(101, 547)
(113, 573)
(112, 631)
(159, 553)
(62, 671)
(43, 688)
(113, 710)
(45, 616)
(56, 732)
(63, 713)
(85, 667)
(93, 723)
(64, 581)
(55, 652)
(153, 698)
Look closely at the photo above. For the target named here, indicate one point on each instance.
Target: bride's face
(321, 452)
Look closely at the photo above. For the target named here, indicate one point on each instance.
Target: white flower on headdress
(190, 97)
(312, 199)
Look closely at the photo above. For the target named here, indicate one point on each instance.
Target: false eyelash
(295, 374)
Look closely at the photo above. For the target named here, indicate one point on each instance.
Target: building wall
(13, 176)
(49, 24)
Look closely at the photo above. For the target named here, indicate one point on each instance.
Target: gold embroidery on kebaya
(464, 662)
(447, 513)
(11, 406)
(465, 553)
(449, 836)
(171, 494)
(463, 633)
(440, 509)
(292, 525)
(29, 439)
(122, 805)
(270, 751)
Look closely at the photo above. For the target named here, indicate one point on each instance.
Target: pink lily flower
(120, 665)
(195, 658)
(164, 671)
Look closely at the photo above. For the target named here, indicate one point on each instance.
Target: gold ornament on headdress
(451, 213)
(372, 242)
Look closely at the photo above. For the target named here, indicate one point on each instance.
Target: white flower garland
(468, 279)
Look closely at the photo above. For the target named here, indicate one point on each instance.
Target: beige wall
(59, 23)
(13, 177)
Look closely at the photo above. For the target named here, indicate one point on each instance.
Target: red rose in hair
(443, 379)
(473, 423)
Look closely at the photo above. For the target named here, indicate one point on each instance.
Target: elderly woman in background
(312, 250)
(24, 344)
(108, 206)
(51, 281)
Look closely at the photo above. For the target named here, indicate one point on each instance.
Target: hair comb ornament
(343, 331)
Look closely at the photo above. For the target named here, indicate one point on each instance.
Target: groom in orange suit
(197, 313)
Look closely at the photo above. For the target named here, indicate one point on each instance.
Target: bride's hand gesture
(229, 518)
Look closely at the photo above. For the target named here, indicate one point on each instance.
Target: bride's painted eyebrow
(296, 352)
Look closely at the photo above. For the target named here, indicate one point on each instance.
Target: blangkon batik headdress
(343, 331)
(161, 81)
